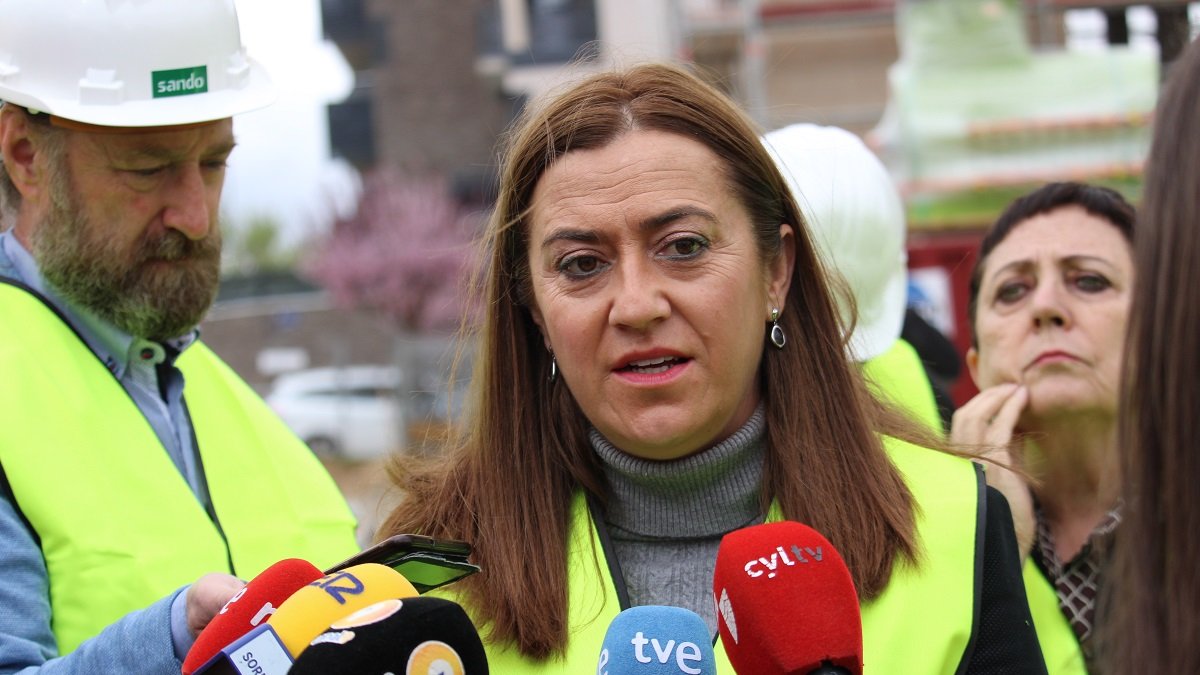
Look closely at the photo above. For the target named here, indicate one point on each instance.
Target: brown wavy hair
(1155, 605)
(507, 483)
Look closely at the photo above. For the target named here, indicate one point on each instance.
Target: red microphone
(786, 604)
(250, 607)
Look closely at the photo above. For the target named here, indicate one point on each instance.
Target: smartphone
(426, 562)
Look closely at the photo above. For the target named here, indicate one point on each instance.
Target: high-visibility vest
(118, 525)
(899, 377)
(922, 623)
(1060, 647)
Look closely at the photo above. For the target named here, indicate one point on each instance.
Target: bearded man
(132, 460)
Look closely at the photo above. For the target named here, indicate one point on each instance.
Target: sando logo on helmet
(179, 82)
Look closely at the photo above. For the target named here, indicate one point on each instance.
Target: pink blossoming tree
(406, 252)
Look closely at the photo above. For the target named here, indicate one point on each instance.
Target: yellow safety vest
(899, 377)
(1060, 647)
(922, 623)
(118, 525)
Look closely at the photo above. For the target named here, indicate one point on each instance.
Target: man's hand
(207, 596)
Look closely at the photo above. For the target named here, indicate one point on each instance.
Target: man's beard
(159, 289)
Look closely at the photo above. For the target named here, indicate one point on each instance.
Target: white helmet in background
(128, 63)
(856, 217)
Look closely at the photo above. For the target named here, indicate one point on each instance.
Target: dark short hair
(1099, 201)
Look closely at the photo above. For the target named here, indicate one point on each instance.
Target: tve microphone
(311, 609)
(421, 636)
(786, 604)
(657, 640)
(250, 607)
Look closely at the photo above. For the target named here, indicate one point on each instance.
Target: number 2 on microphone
(340, 585)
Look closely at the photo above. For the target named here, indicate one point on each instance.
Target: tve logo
(769, 566)
(687, 656)
(179, 82)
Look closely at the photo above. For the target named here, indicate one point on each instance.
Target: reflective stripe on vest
(898, 376)
(922, 623)
(119, 526)
(1060, 647)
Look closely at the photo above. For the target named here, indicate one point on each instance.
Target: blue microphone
(657, 640)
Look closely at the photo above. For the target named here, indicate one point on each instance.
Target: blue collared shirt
(156, 638)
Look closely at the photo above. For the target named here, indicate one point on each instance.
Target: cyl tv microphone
(786, 604)
(417, 636)
(657, 640)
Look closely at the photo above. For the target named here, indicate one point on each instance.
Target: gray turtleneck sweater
(666, 519)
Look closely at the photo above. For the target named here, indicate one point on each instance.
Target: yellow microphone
(310, 610)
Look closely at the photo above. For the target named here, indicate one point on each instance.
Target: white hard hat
(855, 214)
(128, 63)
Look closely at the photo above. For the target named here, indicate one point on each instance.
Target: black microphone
(424, 635)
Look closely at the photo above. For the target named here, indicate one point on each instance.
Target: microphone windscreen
(657, 640)
(422, 636)
(311, 609)
(251, 606)
(785, 601)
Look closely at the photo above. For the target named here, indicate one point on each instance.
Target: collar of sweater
(700, 496)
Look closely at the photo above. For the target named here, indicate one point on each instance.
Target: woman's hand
(207, 596)
(986, 423)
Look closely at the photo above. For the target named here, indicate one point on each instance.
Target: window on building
(558, 29)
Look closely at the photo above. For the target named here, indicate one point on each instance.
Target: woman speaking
(660, 362)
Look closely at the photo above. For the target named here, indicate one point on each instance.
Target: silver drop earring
(777, 337)
(553, 367)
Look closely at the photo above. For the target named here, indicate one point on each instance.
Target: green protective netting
(975, 117)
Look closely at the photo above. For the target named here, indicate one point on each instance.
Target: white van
(351, 412)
